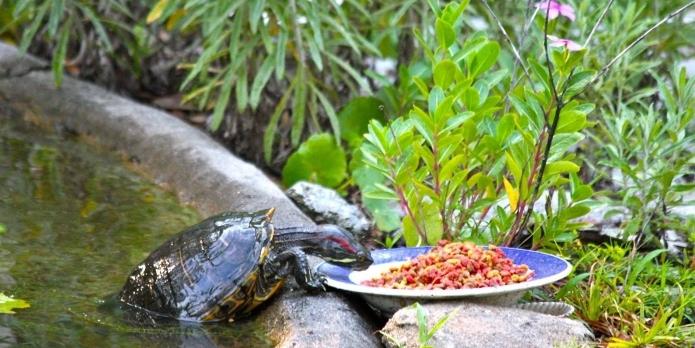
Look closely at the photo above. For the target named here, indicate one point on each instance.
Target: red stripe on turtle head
(344, 243)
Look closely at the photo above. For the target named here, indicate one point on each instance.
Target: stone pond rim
(202, 173)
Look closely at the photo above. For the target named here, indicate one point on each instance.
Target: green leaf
(444, 73)
(421, 315)
(443, 320)
(318, 160)
(485, 58)
(571, 121)
(8, 304)
(298, 108)
(260, 81)
(513, 166)
(280, 57)
(242, 89)
(256, 13)
(58, 61)
(578, 81)
(640, 265)
(222, 100)
(355, 116)
(315, 55)
(444, 32)
(571, 284)
(385, 212)
(453, 11)
(98, 27)
(410, 234)
(269, 134)
(57, 7)
(574, 212)
(28, 34)
(560, 167)
(330, 112)
(432, 221)
(582, 192)
(361, 81)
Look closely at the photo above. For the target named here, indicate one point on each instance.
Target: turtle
(225, 266)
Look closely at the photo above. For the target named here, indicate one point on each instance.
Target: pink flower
(566, 43)
(556, 9)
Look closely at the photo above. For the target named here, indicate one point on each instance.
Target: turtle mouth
(357, 264)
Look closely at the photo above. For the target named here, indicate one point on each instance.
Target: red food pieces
(454, 265)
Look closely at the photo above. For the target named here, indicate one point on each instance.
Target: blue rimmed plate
(547, 269)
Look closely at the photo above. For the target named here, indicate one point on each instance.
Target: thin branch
(506, 36)
(638, 40)
(522, 42)
(598, 22)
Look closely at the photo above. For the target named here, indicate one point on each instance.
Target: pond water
(77, 221)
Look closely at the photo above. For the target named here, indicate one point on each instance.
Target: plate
(547, 270)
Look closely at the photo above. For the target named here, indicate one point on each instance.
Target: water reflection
(77, 222)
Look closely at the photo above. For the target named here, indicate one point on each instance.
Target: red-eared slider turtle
(228, 264)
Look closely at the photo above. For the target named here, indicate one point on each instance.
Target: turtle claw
(316, 284)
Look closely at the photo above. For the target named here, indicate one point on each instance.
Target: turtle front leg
(294, 260)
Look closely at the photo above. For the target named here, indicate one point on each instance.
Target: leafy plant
(448, 162)
(632, 301)
(425, 334)
(319, 159)
(63, 22)
(646, 153)
(297, 42)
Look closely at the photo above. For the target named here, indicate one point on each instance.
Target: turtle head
(338, 246)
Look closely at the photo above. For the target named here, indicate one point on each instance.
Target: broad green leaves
(355, 116)
(445, 72)
(444, 32)
(319, 160)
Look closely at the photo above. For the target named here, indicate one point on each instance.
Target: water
(77, 223)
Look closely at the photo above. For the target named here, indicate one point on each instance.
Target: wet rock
(476, 325)
(324, 205)
(322, 320)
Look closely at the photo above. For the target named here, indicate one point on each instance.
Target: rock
(322, 320)
(324, 205)
(675, 243)
(13, 63)
(476, 325)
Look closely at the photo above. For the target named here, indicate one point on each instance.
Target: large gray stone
(323, 320)
(201, 171)
(13, 63)
(326, 206)
(476, 325)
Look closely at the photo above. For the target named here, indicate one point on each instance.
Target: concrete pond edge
(201, 171)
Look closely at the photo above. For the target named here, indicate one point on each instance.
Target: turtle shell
(205, 272)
